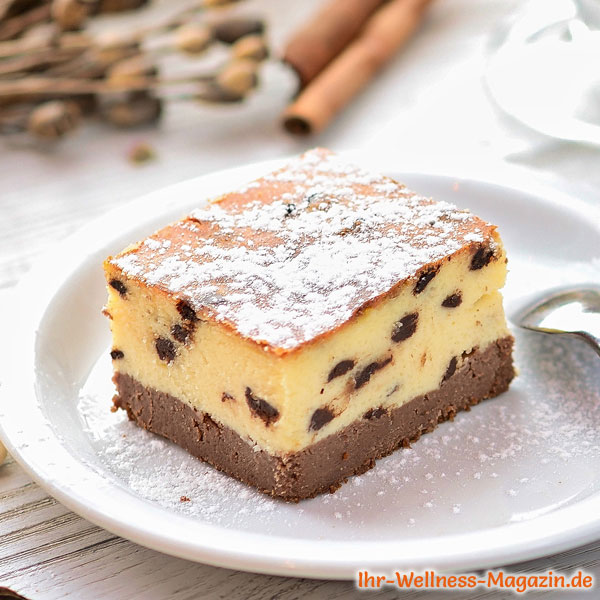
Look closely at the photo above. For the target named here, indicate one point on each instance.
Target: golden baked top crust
(294, 255)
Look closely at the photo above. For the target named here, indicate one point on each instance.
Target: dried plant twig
(14, 26)
(53, 71)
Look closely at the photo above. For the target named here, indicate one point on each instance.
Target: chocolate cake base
(325, 465)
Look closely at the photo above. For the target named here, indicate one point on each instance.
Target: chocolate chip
(450, 370)
(466, 354)
(424, 279)
(119, 286)
(225, 397)
(374, 413)
(320, 418)
(165, 349)
(186, 311)
(181, 334)
(453, 300)
(116, 354)
(405, 327)
(481, 258)
(340, 369)
(290, 209)
(261, 408)
(364, 375)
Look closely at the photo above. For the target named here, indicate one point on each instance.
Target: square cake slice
(292, 332)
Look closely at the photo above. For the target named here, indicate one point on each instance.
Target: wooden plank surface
(49, 553)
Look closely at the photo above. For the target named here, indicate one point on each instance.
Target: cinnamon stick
(383, 34)
(326, 35)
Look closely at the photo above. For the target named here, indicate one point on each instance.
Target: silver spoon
(573, 311)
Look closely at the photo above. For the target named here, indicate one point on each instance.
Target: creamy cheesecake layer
(393, 351)
(325, 465)
(316, 298)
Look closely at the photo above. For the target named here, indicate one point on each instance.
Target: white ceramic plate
(517, 477)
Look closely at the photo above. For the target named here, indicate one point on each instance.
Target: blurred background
(488, 88)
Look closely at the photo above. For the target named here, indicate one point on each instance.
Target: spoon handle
(591, 332)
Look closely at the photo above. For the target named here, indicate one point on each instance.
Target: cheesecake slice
(293, 331)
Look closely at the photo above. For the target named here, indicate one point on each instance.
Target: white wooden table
(47, 552)
(428, 108)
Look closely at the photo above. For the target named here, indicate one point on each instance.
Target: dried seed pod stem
(179, 18)
(218, 3)
(190, 37)
(8, 7)
(16, 25)
(97, 59)
(36, 62)
(70, 14)
(130, 70)
(52, 71)
(26, 45)
(36, 86)
(209, 93)
(115, 6)
(229, 31)
(82, 67)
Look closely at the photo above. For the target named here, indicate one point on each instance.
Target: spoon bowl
(573, 311)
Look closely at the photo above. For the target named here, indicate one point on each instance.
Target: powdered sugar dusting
(541, 440)
(297, 253)
(157, 470)
(525, 453)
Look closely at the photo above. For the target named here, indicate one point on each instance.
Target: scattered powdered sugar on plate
(537, 446)
(154, 468)
(288, 258)
(527, 453)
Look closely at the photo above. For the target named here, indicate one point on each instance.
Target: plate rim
(340, 564)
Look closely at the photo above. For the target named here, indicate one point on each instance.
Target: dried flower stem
(46, 59)
(14, 26)
(35, 86)
(53, 71)
(26, 47)
(8, 6)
